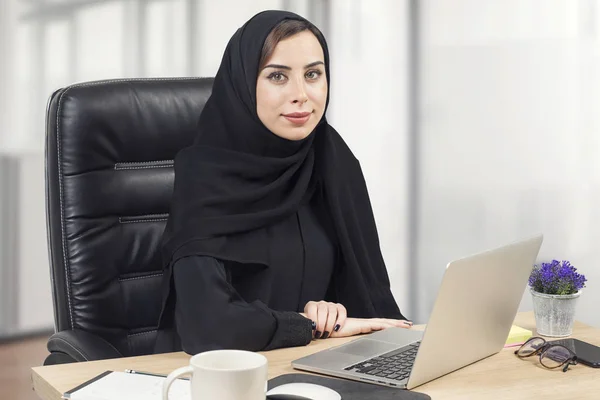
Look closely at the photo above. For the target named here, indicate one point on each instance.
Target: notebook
(517, 336)
(114, 385)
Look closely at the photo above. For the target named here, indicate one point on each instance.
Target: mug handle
(171, 378)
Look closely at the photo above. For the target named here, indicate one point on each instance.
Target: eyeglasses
(552, 355)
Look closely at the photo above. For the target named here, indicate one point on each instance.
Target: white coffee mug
(224, 375)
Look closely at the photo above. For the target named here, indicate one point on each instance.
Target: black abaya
(239, 179)
(221, 304)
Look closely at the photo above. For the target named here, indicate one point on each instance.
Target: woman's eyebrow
(313, 64)
(279, 66)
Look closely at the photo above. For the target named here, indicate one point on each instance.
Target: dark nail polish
(325, 335)
(314, 325)
(317, 334)
(337, 328)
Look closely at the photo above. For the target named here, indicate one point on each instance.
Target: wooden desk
(501, 376)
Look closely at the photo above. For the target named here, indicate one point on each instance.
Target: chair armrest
(81, 346)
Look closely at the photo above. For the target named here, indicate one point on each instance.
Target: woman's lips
(298, 118)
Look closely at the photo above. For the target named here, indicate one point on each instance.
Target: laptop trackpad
(366, 348)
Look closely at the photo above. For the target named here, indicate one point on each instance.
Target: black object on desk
(587, 353)
(351, 390)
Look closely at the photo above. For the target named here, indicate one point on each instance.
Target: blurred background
(476, 122)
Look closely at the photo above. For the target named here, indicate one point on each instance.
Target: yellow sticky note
(517, 336)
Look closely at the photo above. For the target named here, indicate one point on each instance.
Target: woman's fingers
(406, 324)
(378, 324)
(400, 323)
(327, 317)
(403, 323)
(311, 311)
(322, 315)
(341, 317)
(357, 326)
(332, 314)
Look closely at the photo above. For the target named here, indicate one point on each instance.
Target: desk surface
(501, 376)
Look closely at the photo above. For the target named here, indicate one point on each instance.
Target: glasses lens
(531, 346)
(555, 356)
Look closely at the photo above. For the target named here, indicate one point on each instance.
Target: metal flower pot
(554, 313)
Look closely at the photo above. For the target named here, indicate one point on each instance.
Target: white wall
(34, 295)
(8, 12)
(369, 107)
(222, 19)
(510, 140)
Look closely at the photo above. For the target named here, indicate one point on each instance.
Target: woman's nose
(300, 95)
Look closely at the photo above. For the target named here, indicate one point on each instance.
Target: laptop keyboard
(393, 365)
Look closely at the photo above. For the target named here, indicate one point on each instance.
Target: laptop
(474, 310)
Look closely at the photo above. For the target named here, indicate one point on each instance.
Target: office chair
(109, 178)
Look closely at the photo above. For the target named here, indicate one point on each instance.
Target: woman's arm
(210, 314)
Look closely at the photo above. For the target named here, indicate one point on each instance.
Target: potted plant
(555, 288)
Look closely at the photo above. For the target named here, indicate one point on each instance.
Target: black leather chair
(109, 177)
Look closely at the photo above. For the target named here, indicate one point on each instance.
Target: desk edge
(42, 386)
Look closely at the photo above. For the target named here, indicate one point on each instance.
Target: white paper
(122, 385)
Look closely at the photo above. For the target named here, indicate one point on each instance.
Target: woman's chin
(293, 134)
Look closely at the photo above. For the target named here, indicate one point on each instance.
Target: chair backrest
(109, 179)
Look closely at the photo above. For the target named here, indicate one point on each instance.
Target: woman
(271, 240)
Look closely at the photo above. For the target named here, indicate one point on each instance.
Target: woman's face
(291, 90)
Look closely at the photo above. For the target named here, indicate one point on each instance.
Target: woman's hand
(328, 318)
(356, 326)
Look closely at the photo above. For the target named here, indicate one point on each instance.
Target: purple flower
(556, 278)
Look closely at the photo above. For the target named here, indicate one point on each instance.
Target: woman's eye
(313, 74)
(277, 77)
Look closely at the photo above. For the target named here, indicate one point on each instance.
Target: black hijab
(238, 177)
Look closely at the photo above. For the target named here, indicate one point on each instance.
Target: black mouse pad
(350, 390)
